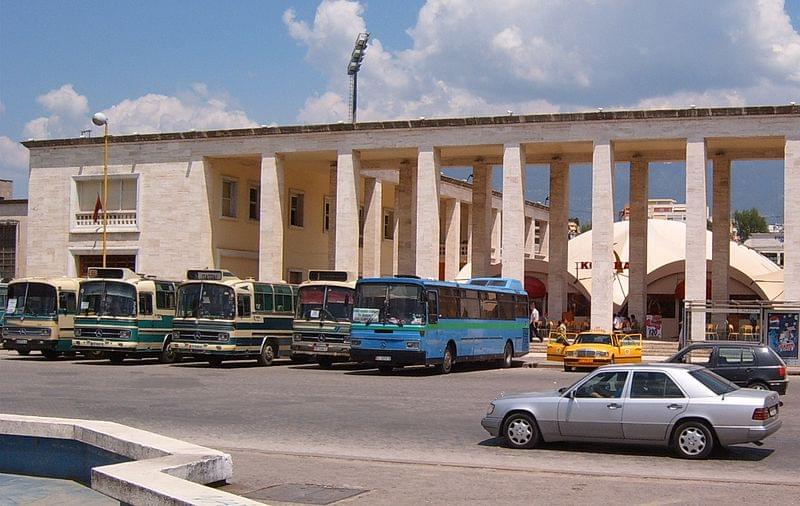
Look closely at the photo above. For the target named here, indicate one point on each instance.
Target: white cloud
(533, 56)
(14, 164)
(65, 101)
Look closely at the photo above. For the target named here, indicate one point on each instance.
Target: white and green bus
(125, 314)
(222, 317)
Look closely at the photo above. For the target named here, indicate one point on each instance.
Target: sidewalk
(539, 361)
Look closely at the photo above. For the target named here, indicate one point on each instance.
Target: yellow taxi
(595, 348)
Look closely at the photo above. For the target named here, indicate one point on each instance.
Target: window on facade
(253, 202)
(326, 214)
(295, 277)
(145, 304)
(296, 201)
(388, 224)
(8, 250)
(229, 198)
(121, 194)
(661, 304)
(360, 226)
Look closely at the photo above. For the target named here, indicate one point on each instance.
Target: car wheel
(508, 356)
(758, 385)
(214, 361)
(325, 362)
(385, 369)
(24, 353)
(693, 440)
(521, 431)
(116, 358)
(447, 361)
(567, 368)
(267, 354)
(50, 354)
(168, 355)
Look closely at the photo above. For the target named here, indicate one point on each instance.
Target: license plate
(196, 346)
(585, 361)
(22, 341)
(383, 358)
(320, 347)
(773, 411)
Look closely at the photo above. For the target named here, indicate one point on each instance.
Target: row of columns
(418, 210)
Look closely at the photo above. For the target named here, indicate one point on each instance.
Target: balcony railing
(115, 219)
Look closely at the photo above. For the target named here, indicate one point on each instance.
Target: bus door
(67, 307)
(148, 322)
(432, 332)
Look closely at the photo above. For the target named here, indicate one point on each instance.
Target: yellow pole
(105, 189)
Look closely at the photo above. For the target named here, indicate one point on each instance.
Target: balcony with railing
(118, 221)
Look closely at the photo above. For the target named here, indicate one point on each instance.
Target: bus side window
(243, 306)
(433, 306)
(66, 302)
(145, 303)
(165, 295)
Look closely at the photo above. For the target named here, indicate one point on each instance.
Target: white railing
(115, 219)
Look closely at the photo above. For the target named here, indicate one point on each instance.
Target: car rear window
(767, 356)
(713, 382)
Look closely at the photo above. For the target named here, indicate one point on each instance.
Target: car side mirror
(562, 390)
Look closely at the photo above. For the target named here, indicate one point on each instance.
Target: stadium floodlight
(356, 57)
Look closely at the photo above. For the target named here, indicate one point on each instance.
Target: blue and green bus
(125, 315)
(221, 317)
(399, 321)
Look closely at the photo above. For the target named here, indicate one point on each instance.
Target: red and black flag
(98, 206)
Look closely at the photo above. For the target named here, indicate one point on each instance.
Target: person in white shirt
(534, 320)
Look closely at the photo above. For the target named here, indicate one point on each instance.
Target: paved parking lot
(303, 424)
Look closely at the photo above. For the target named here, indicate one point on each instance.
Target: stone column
(791, 218)
(513, 238)
(696, 230)
(373, 227)
(481, 219)
(721, 233)
(396, 235)
(602, 235)
(544, 237)
(530, 237)
(273, 216)
(637, 240)
(452, 243)
(406, 220)
(332, 219)
(346, 251)
(557, 239)
(427, 210)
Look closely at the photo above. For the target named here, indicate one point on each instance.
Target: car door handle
(674, 406)
(613, 405)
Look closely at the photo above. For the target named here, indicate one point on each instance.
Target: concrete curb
(545, 364)
(163, 470)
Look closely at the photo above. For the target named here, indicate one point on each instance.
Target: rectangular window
(388, 224)
(296, 201)
(470, 305)
(295, 277)
(229, 198)
(263, 298)
(145, 303)
(326, 214)
(121, 194)
(8, 250)
(506, 307)
(66, 302)
(253, 200)
(243, 306)
(360, 226)
(489, 308)
(448, 303)
(654, 385)
(283, 299)
(165, 295)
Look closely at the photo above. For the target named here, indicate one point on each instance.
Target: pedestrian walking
(534, 322)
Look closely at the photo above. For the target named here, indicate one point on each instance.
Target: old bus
(322, 319)
(222, 317)
(125, 314)
(40, 315)
(402, 321)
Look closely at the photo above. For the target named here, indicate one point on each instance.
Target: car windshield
(395, 303)
(31, 299)
(206, 300)
(593, 339)
(107, 298)
(713, 381)
(325, 303)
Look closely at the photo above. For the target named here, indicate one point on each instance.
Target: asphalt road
(411, 417)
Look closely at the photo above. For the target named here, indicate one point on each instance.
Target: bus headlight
(295, 337)
(355, 342)
(491, 409)
(125, 334)
(77, 332)
(412, 345)
(223, 336)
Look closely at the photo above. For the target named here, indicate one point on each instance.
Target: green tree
(749, 221)
(586, 227)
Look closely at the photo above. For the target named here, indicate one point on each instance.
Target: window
(243, 306)
(263, 298)
(713, 381)
(253, 201)
(489, 309)
(433, 303)
(66, 302)
(8, 250)
(522, 307)
(121, 194)
(604, 385)
(145, 303)
(165, 295)
(360, 226)
(701, 356)
(654, 385)
(229, 198)
(735, 357)
(507, 308)
(296, 200)
(283, 299)
(295, 277)
(326, 214)
(661, 304)
(388, 224)
(448, 302)
(470, 305)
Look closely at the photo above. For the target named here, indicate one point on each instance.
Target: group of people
(622, 323)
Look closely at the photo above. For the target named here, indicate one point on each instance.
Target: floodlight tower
(352, 70)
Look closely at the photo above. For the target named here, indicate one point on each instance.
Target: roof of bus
(235, 282)
(59, 282)
(435, 282)
(340, 284)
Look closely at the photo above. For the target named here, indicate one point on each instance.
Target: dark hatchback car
(750, 365)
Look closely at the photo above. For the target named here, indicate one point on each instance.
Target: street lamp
(101, 119)
(352, 70)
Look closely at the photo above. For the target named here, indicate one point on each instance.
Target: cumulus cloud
(14, 164)
(533, 56)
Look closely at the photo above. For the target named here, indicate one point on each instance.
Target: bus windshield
(325, 303)
(107, 298)
(389, 303)
(206, 300)
(31, 299)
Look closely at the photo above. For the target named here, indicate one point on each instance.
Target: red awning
(680, 290)
(535, 288)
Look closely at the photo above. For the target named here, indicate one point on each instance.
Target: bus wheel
(325, 362)
(24, 352)
(116, 358)
(50, 354)
(447, 361)
(267, 354)
(168, 355)
(508, 356)
(385, 369)
(214, 361)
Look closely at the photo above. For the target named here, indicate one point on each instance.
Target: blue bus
(399, 321)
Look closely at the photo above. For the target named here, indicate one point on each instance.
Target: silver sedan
(686, 407)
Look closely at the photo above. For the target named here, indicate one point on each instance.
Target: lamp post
(101, 119)
(352, 70)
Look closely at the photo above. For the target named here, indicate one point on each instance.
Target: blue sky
(165, 66)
